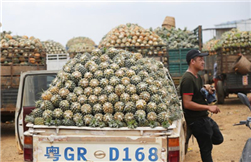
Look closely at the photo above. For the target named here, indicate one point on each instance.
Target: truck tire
(220, 92)
(206, 79)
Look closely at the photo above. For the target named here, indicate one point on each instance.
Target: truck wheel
(206, 79)
(220, 92)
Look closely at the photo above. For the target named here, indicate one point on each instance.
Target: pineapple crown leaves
(165, 124)
(153, 124)
(94, 123)
(132, 124)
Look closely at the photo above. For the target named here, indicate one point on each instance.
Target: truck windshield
(34, 87)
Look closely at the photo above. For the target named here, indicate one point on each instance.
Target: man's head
(194, 53)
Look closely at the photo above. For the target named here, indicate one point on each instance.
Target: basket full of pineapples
(113, 88)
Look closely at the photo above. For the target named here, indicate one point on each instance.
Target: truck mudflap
(99, 144)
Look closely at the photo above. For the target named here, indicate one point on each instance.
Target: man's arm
(189, 104)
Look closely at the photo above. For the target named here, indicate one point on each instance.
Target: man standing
(195, 107)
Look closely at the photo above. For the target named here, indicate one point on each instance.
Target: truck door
(30, 90)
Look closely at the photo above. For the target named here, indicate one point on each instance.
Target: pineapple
(103, 65)
(125, 81)
(57, 113)
(87, 119)
(88, 75)
(108, 73)
(46, 95)
(142, 86)
(119, 116)
(119, 106)
(78, 119)
(99, 74)
(130, 107)
(151, 107)
(125, 97)
(64, 105)
(97, 91)
(104, 82)
(152, 118)
(86, 109)
(108, 89)
(68, 114)
(140, 116)
(104, 58)
(130, 62)
(141, 104)
(63, 92)
(96, 52)
(68, 122)
(79, 67)
(54, 90)
(55, 100)
(47, 105)
(149, 80)
(97, 108)
(119, 89)
(76, 76)
(114, 66)
(135, 98)
(102, 99)
(75, 107)
(93, 68)
(56, 122)
(70, 85)
(94, 83)
(114, 81)
(37, 112)
(96, 59)
(39, 121)
(152, 89)
(72, 97)
(131, 89)
(136, 79)
(98, 117)
(47, 114)
(88, 91)
(107, 118)
(83, 83)
(38, 103)
(82, 99)
(155, 98)
(120, 73)
(161, 108)
(129, 117)
(68, 68)
(143, 74)
(113, 98)
(130, 73)
(108, 108)
(92, 99)
(145, 96)
(78, 91)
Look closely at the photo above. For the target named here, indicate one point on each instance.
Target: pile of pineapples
(210, 46)
(112, 88)
(52, 47)
(130, 35)
(80, 44)
(178, 38)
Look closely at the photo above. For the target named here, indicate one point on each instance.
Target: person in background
(195, 107)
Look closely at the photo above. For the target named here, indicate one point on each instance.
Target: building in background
(219, 29)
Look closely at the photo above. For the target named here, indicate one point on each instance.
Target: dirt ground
(229, 151)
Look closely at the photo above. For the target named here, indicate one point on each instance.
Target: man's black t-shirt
(191, 85)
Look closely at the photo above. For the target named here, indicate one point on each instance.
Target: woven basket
(242, 65)
(169, 22)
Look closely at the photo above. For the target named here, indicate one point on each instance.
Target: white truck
(42, 143)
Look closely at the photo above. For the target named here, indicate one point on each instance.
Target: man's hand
(214, 109)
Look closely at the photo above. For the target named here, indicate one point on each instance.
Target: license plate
(244, 80)
(99, 152)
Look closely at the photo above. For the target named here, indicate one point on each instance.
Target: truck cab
(72, 143)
